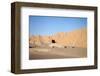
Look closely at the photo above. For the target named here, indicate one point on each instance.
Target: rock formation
(76, 38)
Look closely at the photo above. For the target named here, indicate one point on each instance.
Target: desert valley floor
(54, 53)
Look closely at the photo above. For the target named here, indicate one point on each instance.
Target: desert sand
(72, 45)
(54, 53)
(77, 38)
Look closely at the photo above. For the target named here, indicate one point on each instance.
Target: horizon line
(60, 32)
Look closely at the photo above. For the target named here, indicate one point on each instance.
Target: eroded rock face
(77, 38)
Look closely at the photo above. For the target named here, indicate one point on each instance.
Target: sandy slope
(77, 38)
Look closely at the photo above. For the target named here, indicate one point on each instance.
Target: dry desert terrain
(71, 44)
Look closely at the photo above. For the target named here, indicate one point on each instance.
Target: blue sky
(48, 25)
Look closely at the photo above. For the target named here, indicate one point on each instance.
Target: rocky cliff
(76, 38)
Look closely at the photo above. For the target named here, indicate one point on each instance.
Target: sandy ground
(54, 53)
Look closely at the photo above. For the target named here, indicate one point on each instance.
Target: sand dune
(77, 38)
